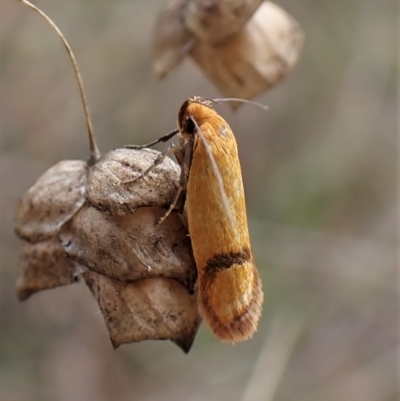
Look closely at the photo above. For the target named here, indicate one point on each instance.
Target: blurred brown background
(320, 175)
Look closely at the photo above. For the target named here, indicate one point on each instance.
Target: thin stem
(94, 151)
(274, 357)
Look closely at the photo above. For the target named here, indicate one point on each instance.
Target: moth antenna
(94, 150)
(218, 176)
(164, 138)
(234, 99)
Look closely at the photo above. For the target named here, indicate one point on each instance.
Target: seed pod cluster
(96, 222)
(243, 46)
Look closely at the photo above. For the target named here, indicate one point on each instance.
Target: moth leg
(179, 192)
(157, 161)
(164, 138)
(178, 153)
(186, 152)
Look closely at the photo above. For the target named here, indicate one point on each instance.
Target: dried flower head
(79, 219)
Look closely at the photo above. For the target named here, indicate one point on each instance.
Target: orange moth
(229, 285)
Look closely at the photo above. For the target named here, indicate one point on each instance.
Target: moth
(229, 288)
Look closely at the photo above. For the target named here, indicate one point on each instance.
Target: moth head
(189, 111)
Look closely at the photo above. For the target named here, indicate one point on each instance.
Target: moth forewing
(230, 294)
(217, 174)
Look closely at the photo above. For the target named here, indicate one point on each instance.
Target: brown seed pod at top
(256, 58)
(214, 21)
(243, 46)
(172, 40)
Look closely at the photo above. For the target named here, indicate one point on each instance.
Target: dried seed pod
(153, 263)
(42, 266)
(171, 39)
(111, 187)
(132, 246)
(214, 21)
(148, 309)
(243, 46)
(257, 57)
(55, 197)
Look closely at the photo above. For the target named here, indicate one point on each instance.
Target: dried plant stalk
(94, 151)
